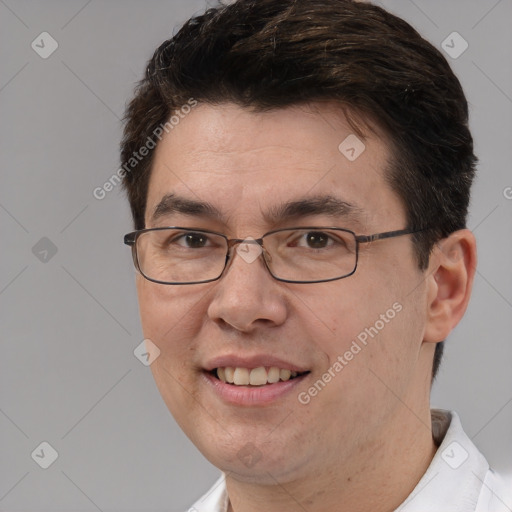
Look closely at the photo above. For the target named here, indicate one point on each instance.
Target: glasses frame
(130, 239)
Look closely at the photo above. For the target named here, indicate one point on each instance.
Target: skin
(344, 447)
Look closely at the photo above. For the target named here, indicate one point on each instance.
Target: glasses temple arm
(388, 234)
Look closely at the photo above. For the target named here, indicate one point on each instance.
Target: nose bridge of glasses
(249, 240)
(249, 249)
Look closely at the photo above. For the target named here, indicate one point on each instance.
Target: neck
(370, 482)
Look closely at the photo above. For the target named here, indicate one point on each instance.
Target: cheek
(171, 320)
(170, 313)
(341, 310)
(370, 323)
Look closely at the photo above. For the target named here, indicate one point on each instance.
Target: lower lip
(250, 395)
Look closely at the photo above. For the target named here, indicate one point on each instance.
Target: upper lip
(254, 361)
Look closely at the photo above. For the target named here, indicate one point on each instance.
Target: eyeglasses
(177, 255)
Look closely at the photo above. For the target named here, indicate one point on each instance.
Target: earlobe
(450, 281)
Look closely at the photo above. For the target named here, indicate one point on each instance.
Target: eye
(313, 240)
(317, 239)
(192, 240)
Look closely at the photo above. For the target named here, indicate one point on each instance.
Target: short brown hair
(269, 54)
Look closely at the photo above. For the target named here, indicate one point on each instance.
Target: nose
(247, 296)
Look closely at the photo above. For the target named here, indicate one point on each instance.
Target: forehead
(245, 163)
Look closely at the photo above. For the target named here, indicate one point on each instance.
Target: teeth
(285, 374)
(229, 373)
(258, 376)
(273, 375)
(255, 377)
(241, 377)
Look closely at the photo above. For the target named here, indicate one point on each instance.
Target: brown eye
(195, 240)
(317, 239)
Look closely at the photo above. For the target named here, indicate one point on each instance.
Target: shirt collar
(453, 481)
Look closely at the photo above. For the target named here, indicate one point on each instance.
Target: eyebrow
(317, 205)
(172, 203)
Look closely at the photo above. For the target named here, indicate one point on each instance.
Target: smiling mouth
(255, 377)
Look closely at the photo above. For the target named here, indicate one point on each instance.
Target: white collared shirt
(458, 479)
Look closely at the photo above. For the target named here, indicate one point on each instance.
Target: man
(299, 176)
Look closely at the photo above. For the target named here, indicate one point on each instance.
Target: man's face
(246, 165)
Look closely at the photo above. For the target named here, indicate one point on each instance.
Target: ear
(449, 283)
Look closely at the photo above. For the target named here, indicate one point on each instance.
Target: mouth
(254, 380)
(254, 377)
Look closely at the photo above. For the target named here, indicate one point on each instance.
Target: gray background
(70, 323)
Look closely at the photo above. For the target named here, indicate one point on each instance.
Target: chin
(245, 462)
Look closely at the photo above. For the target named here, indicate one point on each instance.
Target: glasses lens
(311, 254)
(180, 256)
